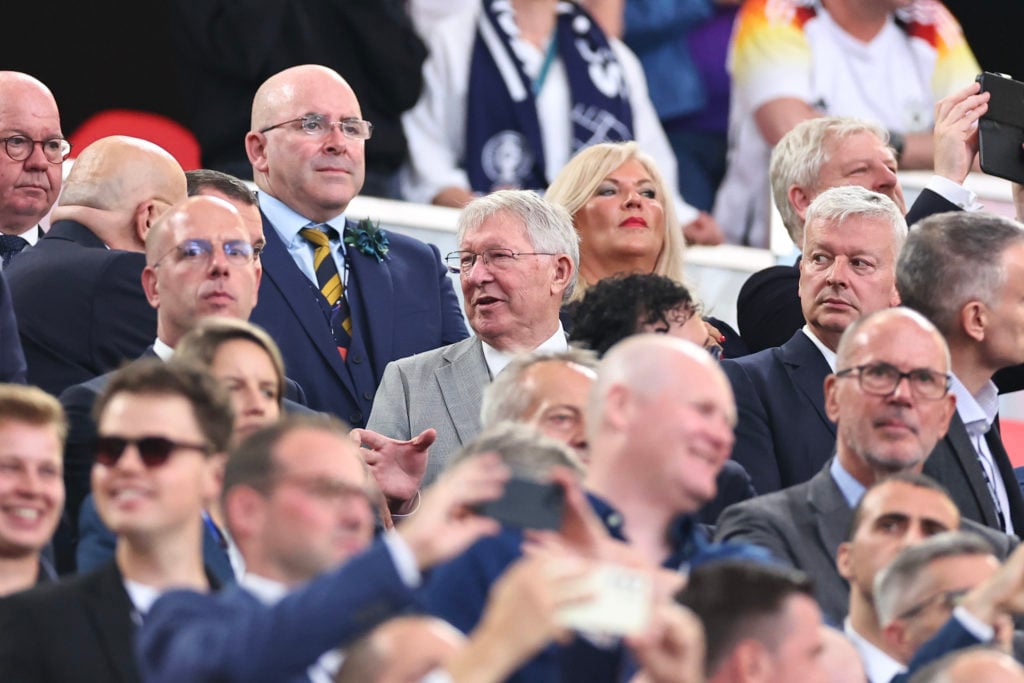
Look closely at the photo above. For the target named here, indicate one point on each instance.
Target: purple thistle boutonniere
(368, 238)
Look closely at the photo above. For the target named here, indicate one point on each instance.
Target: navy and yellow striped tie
(331, 285)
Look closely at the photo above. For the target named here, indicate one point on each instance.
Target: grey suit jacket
(442, 389)
(804, 525)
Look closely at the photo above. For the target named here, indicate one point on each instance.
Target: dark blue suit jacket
(402, 306)
(783, 436)
(13, 369)
(232, 636)
(81, 308)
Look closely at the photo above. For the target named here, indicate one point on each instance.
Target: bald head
(660, 422)
(29, 187)
(119, 186)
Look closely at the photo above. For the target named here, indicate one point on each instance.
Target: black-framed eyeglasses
(317, 125)
(948, 599)
(154, 451)
(881, 379)
(19, 148)
(463, 261)
(198, 252)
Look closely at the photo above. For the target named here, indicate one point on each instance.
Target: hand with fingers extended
(445, 523)
(956, 131)
(671, 650)
(397, 466)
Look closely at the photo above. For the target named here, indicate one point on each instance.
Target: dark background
(102, 54)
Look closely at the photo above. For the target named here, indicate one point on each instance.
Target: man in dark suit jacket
(165, 429)
(307, 156)
(964, 271)
(304, 592)
(887, 422)
(830, 151)
(77, 293)
(784, 435)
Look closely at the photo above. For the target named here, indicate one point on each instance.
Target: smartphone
(1001, 129)
(527, 504)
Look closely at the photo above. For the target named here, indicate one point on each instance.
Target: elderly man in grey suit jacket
(518, 258)
(885, 425)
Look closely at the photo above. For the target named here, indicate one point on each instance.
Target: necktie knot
(11, 246)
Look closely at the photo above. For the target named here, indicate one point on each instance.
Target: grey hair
(524, 450)
(849, 342)
(895, 586)
(951, 259)
(797, 159)
(837, 204)
(548, 226)
(505, 397)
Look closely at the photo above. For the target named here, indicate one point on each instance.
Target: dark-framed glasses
(198, 252)
(317, 125)
(463, 261)
(19, 148)
(948, 599)
(154, 451)
(881, 379)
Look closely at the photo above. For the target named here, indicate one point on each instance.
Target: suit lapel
(807, 369)
(832, 514)
(966, 458)
(462, 381)
(111, 612)
(1002, 460)
(280, 271)
(373, 286)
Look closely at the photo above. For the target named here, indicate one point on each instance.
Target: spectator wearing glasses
(30, 171)
(964, 271)
(163, 431)
(200, 263)
(517, 261)
(77, 293)
(382, 296)
(917, 593)
(891, 402)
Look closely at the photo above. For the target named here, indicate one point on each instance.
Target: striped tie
(330, 283)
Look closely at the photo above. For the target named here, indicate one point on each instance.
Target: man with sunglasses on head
(341, 299)
(77, 296)
(891, 402)
(163, 432)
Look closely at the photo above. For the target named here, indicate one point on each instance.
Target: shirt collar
(851, 489)
(829, 354)
(497, 360)
(162, 350)
(287, 222)
(879, 666)
(977, 412)
(267, 590)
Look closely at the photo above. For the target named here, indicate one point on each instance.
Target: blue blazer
(402, 306)
(783, 436)
(232, 636)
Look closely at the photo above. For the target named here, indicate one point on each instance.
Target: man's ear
(213, 478)
(564, 269)
(800, 199)
(751, 660)
(146, 214)
(245, 510)
(831, 399)
(256, 150)
(843, 561)
(973, 320)
(149, 286)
